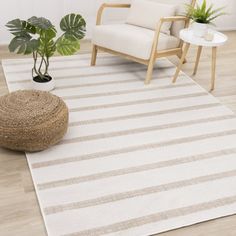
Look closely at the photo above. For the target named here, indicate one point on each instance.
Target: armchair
(140, 44)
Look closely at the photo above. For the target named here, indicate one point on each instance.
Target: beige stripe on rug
(137, 160)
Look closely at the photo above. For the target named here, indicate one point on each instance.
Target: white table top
(187, 36)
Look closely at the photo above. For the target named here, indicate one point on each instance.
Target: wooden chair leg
(94, 55)
(181, 62)
(150, 70)
(180, 55)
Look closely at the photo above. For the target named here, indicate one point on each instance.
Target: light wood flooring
(19, 210)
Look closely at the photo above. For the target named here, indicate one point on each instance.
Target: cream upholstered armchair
(151, 31)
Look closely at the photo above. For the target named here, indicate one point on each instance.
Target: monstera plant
(37, 36)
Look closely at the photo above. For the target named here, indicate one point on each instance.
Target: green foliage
(23, 41)
(37, 36)
(73, 26)
(23, 44)
(40, 22)
(20, 27)
(204, 14)
(47, 46)
(67, 47)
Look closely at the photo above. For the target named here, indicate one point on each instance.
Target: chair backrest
(147, 14)
(177, 26)
(115, 16)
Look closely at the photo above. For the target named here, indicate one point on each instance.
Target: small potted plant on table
(202, 16)
(37, 35)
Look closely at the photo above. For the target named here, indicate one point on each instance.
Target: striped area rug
(137, 160)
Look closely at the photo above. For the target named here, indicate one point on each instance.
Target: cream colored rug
(137, 160)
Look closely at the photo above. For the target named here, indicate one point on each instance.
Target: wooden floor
(19, 210)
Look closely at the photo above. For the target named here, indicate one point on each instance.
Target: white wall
(55, 9)
(51, 9)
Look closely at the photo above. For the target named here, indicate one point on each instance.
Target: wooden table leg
(181, 62)
(199, 51)
(213, 68)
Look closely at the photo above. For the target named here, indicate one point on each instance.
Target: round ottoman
(32, 120)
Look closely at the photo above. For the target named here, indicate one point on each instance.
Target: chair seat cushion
(131, 40)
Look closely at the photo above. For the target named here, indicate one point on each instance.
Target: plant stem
(40, 66)
(34, 69)
(47, 65)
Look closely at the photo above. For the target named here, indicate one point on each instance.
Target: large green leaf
(23, 44)
(47, 45)
(49, 33)
(40, 22)
(66, 46)
(20, 27)
(46, 48)
(74, 26)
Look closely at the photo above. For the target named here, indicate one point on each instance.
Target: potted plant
(37, 35)
(202, 16)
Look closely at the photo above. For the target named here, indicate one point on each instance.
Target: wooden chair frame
(154, 53)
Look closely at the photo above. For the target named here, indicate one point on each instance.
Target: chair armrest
(109, 5)
(160, 23)
(174, 18)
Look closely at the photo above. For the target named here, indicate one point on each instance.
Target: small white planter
(43, 86)
(199, 29)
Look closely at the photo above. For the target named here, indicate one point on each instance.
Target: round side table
(189, 38)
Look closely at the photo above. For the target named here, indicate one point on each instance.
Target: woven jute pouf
(32, 120)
